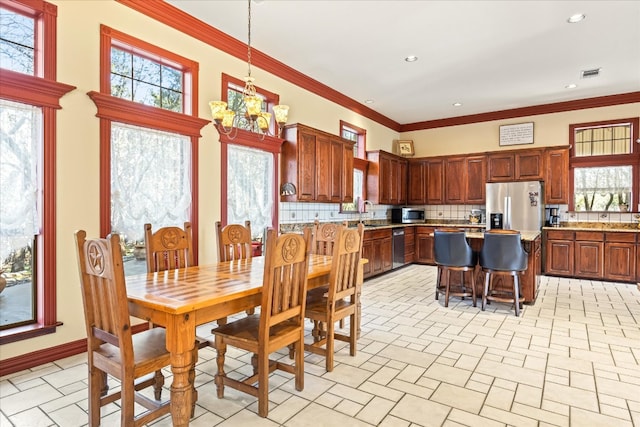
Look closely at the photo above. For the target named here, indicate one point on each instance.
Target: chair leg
(158, 383)
(97, 382)
(485, 290)
(221, 349)
(127, 398)
(263, 384)
(299, 369)
(329, 346)
(352, 335)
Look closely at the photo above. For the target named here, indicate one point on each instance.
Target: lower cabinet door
(620, 261)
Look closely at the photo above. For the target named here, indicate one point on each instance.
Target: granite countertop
(633, 227)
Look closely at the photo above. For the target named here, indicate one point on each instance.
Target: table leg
(180, 342)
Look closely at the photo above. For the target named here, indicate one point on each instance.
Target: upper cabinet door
(455, 179)
(529, 165)
(476, 169)
(556, 180)
(501, 167)
(416, 191)
(435, 181)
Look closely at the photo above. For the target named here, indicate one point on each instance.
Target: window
(30, 98)
(359, 137)
(148, 141)
(250, 166)
(17, 41)
(605, 163)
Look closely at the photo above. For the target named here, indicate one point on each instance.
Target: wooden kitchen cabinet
(556, 180)
(559, 254)
(502, 167)
(589, 247)
(476, 168)
(315, 161)
(424, 245)
(377, 249)
(518, 165)
(620, 256)
(455, 180)
(417, 178)
(529, 165)
(409, 245)
(435, 181)
(386, 178)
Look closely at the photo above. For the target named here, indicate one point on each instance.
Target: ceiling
(486, 55)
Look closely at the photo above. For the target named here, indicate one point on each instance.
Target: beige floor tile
(27, 399)
(458, 397)
(420, 411)
(527, 395)
(500, 398)
(472, 420)
(572, 396)
(375, 411)
(315, 415)
(581, 417)
(448, 374)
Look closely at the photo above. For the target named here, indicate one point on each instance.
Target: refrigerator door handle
(507, 213)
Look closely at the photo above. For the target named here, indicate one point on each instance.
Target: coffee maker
(554, 218)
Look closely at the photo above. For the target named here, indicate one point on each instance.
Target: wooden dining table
(182, 299)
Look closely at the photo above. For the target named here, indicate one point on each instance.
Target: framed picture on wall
(405, 148)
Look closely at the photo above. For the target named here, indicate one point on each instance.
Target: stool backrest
(502, 250)
(452, 249)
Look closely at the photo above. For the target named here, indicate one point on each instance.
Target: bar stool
(453, 253)
(502, 255)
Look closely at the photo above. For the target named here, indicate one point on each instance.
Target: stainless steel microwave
(407, 215)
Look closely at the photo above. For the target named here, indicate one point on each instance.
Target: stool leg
(485, 290)
(438, 271)
(516, 293)
(473, 288)
(446, 287)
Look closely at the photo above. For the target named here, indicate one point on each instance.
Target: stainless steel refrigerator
(521, 205)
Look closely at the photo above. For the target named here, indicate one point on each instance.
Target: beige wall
(548, 130)
(78, 143)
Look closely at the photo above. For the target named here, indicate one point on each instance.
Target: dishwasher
(398, 247)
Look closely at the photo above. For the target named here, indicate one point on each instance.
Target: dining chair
(280, 323)
(111, 347)
(234, 241)
(342, 299)
(170, 248)
(502, 255)
(323, 237)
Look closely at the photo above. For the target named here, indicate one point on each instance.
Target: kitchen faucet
(364, 210)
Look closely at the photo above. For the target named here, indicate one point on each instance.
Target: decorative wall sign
(521, 133)
(405, 148)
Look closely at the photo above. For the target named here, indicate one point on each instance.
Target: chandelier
(258, 121)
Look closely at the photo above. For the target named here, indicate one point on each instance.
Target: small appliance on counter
(554, 218)
(407, 215)
(475, 217)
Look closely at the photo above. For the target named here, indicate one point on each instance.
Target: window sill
(26, 332)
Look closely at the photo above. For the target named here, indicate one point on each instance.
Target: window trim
(111, 108)
(45, 92)
(249, 139)
(362, 138)
(632, 159)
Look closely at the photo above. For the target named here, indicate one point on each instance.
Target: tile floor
(569, 360)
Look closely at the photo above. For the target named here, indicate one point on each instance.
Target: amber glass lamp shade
(254, 105)
(282, 113)
(264, 120)
(218, 109)
(227, 119)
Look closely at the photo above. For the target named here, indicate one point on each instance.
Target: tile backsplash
(294, 213)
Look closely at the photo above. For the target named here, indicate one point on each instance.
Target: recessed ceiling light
(576, 18)
(368, 101)
(571, 86)
(411, 58)
(457, 104)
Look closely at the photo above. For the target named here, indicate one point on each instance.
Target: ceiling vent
(585, 74)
